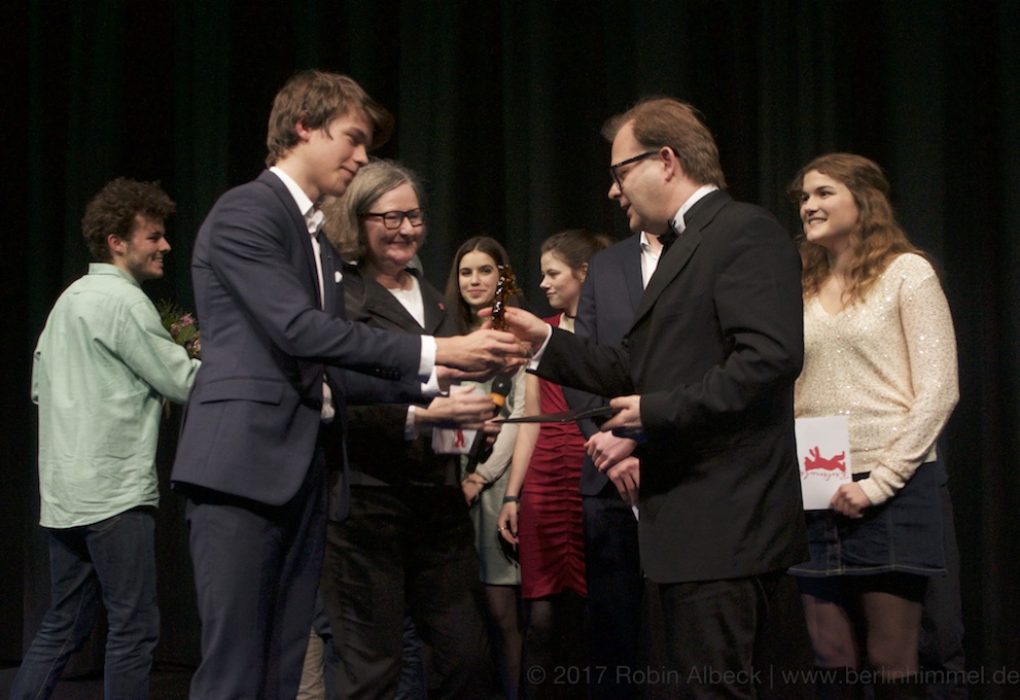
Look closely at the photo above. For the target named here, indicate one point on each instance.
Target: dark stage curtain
(499, 106)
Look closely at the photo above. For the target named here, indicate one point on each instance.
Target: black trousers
(256, 571)
(615, 585)
(714, 636)
(406, 548)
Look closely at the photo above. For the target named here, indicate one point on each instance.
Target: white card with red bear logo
(823, 453)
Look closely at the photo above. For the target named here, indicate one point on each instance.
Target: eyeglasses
(393, 219)
(614, 169)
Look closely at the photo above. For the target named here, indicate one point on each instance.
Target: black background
(498, 107)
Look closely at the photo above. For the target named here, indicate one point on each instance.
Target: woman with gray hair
(408, 544)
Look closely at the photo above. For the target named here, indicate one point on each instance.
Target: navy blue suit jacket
(252, 419)
(610, 296)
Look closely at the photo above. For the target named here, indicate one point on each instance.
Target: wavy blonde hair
(875, 240)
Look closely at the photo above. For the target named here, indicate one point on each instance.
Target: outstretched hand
(463, 408)
(482, 353)
(528, 327)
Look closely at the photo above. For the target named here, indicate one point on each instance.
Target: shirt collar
(678, 220)
(101, 268)
(313, 217)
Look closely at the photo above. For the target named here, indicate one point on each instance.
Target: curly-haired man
(103, 365)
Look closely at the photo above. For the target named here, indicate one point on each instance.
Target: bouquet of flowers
(183, 327)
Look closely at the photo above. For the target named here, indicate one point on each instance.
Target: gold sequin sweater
(887, 362)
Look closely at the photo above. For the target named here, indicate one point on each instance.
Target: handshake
(486, 352)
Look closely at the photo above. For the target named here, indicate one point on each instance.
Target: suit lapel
(384, 305)
(679, 254)
(300, 229)
(370, 298)
(329, 270)
(435, 310)
(379, 302)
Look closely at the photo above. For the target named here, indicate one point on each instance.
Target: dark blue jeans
(115, 559)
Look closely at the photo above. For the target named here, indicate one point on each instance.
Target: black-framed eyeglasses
(614, 169)
(392, 219)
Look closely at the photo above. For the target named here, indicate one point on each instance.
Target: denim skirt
(904, 534)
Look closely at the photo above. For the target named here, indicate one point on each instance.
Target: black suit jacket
(378, 453)
(610, 297)
(714, 350)
(253, 417)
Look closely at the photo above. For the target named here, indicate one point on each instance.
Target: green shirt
(103, 364)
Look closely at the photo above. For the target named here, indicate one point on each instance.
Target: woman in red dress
(541, 512)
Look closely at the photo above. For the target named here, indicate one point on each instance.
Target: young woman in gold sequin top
(880, 349)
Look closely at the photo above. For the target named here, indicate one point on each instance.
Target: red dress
(550, 525)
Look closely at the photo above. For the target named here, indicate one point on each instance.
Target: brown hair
(575, 247)
(456, 307)
(663, 121)
(115, 209)
(875, 239)
(316, 98)
(342, 224)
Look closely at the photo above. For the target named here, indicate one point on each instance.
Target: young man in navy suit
(704, 378)
(280, 362)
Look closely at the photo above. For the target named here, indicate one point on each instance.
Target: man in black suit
(704, 380)
(610, 296)
(275, 346)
